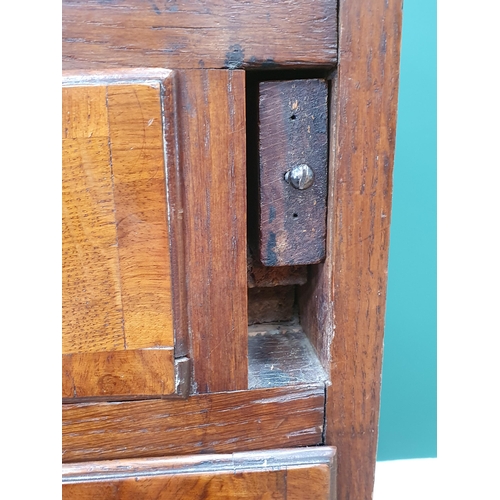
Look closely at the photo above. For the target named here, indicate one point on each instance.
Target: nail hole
(292, 117)
(295, 216)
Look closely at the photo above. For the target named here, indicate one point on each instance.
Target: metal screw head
(300, 177)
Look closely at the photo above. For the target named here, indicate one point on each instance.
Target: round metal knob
(300, 177)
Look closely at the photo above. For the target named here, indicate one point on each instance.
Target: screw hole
(292, 117)
(295, 216)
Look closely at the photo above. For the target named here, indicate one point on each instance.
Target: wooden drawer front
(293, 474)
(118, 313)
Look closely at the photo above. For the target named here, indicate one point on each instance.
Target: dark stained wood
(262, 276)
(343, 303)
(197, 34)
(206, 423)
(279, 474)
(293, 131)
(270, 304)
(212, 117)
(118, 270)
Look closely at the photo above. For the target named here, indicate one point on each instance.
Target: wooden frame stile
(343, 303)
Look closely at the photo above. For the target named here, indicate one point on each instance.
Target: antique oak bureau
(227, 182)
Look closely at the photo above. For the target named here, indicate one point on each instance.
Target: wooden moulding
(123, 282)
(297, 473)
(205, 423)
(342, 305)
(195, 34)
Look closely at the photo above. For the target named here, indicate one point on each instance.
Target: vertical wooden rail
(213, 162)
(365, 128)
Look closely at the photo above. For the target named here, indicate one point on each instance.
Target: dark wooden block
(259, 276)
(269, 304)
(293, 124)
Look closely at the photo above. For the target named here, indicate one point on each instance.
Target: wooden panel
(135, 128)
(91, 276)
(206, 423)
(117, 271)
(118, 373)
(293, 123)
(213, 161)
(197, 34)
(279, 474)
(311, 483)
(346, 296)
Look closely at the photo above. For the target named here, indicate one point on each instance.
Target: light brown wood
(117, 266)
(91, 274)
(196, 34)
(343, 303)
(212, 118)
(118, 374)
(206, 423)
(300, 473)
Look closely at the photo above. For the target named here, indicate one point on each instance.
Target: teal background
(408, 427)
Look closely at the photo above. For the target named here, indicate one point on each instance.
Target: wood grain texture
(92, 317)
(259, 276)
(355, 273)
(118, 374)
(298, 473)
(196, 34)
(206, 423)
(213, 160)
(293, 131)
(135, 132)
(281, 355)
(117, 265)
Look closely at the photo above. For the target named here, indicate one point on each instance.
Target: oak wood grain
(206, 423)
(197, 34)
(118, 374)
(343, 303)
(297, 473)
(117, 231)
(212, 139)
(92, 317)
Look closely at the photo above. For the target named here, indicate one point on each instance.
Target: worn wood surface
(259, 276)
(293, 131)
(117, 267)
(281, 355)
(206, 423)
(213, 160)
(355, 273)
(297, 473)
(198, 34)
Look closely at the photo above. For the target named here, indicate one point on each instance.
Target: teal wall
(408, 401)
